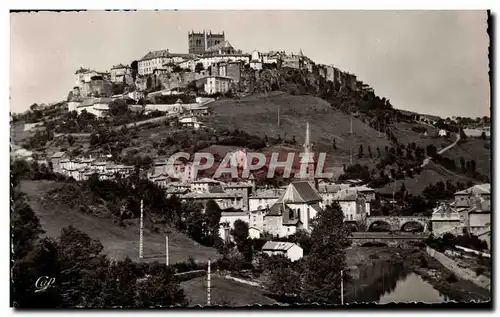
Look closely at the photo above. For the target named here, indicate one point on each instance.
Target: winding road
(428, 159)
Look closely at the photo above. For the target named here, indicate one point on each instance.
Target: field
(404, 133)
(258, 115)
(224, 292)
(432, 174)
(118, 242)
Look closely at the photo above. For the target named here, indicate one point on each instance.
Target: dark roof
(155, 54)
(277, 245)
(215, 189)
(164, 53)
(219, 46)
(278, 209)
(120, 66)
(300, 192)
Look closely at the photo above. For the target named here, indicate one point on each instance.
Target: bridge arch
(379, 225)
(352, 225)
(412, 225)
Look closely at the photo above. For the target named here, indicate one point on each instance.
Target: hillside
(432, 174)
(258, 115)
(118, 242)
(473, 149)
(224, 292)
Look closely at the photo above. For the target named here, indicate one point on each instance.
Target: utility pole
(350, 155)
(342, 287)
(141, 234)
(351, 123)
(279, 110)
(208, 284)
(394, 191)
(166, 249)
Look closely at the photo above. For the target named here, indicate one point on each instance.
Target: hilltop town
(399, 178)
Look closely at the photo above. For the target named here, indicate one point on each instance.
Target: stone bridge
(397, 223)
(390, 239)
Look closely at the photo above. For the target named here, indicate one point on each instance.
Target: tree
(334, 144)
(70, 140)
(25, 227)
(283, 280)
(431, 150)
(213, 213)
(402, 190)
(160, 290)
(118, 107)
(326, 260)
(199, 67)
(241, 238)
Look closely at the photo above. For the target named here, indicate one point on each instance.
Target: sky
(433, 62)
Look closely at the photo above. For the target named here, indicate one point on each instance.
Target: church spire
(307, 144)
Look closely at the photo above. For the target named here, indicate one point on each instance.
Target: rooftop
(165, 54)
(277, 246)
(476, 190)
(300, 192)
(194, 195)
(58, 155)
(219, 46)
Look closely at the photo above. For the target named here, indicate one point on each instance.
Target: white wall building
(227, 220)
(217, 84)
(288, 249)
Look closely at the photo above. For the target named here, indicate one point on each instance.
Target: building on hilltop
(231, 69)
(217, 84)
(200, 42)
(223, 48)
(91, 82)
(121, 74)
(157, 59)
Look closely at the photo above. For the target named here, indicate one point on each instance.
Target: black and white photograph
(244, 158)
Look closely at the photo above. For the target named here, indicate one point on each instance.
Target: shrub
(374, 256)
(452, 278)
(479, 271)
(423, 262)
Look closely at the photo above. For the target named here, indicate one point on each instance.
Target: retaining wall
(463, 273)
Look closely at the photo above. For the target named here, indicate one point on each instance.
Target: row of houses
(470, 211)
(81, 168)
(282, 212)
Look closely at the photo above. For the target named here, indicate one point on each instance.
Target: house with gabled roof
(56, 159)
(288, 249)
(295, 209)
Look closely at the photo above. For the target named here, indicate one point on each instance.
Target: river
(383, 283)
(413, 289)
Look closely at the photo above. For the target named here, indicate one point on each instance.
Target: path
(428, 159)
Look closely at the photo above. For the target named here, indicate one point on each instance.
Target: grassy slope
(118, 242)
(405, 135)
(258, 115)
(224, 292)
(432, 174)
(472, 149)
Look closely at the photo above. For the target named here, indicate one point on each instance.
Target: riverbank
(375, 271)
